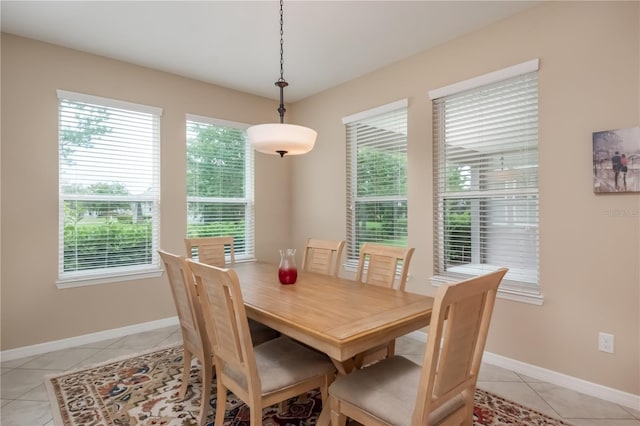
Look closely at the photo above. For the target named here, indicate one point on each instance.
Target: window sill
(504, 292)
(88, 280)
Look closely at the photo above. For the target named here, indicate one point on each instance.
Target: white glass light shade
(274, 138)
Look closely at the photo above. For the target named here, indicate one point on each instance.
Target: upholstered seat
(401, 378)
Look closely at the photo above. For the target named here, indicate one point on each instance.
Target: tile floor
(24, 400)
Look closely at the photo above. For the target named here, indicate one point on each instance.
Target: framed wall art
(616, 160)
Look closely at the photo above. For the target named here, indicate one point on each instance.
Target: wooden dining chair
(378, 265)
(195, 339)
(322, 256)
(215, 251)
(396, 391)
(263, 375)
(211, 250)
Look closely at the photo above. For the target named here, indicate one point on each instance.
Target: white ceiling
(236, 44)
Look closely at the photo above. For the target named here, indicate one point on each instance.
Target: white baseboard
(84, 339)
(588, 388)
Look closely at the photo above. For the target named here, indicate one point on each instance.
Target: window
(109, 186)
(485, 147)
(220, 183)
(376, 178)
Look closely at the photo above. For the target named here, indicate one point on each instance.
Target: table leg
(344, 367)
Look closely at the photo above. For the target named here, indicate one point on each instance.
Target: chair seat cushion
(388, 389)
(282, 362)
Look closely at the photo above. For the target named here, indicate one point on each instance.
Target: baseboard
(553, 377)
(84, 339)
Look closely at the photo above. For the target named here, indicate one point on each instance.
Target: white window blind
(109, 189)
(376, 177)
(220, 198)
(486, 183)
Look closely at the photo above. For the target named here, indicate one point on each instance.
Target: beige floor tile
(100, 344)
(20, 381)
(570, 404)
(635, 413)
(60, 360)
(492, 373)
(38, 393)
(26, 413)
(141, 341)
(603, 422)
(106, 355)
(521, 393)
(173, 339)
(18, 362)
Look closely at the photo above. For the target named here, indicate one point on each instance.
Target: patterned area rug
(143, 391)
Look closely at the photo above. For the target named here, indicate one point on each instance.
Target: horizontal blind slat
(485, 187)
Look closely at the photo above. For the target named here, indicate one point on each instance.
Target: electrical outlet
(605, 342)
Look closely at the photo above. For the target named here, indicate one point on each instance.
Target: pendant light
(281, 138)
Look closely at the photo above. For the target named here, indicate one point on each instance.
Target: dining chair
(266, 374)
(211, 250)
(396, 391)
(215, 251)
(195, 339)
(378, 265)
(322, 256)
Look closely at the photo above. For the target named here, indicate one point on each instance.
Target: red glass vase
(287, 271)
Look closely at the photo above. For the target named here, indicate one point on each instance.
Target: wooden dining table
(337, 316)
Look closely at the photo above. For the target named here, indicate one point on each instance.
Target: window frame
(352, 252)
(248, 252)
(152, 269)
(512, 287)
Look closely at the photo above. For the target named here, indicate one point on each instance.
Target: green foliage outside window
(383, 174)
(216, 182)
(457, 214)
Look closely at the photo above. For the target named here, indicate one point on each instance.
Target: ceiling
(236, 44)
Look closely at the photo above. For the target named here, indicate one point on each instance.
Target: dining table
(334, 315)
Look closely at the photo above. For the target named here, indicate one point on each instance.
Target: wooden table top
(337, 316)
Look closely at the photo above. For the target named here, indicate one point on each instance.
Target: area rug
(143, 391)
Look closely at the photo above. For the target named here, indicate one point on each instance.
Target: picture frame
(616, 160)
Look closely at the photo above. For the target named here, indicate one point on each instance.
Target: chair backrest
(455, 344)
(226, 318)
(322, 256)
(211, 250)
(185, 297)
(381, 264)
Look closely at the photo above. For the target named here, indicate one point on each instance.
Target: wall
(33, 309)
(589, 80)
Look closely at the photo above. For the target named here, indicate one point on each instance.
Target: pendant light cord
(281, 83)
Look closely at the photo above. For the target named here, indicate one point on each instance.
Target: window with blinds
(109, 190)
(376, 177)
(220, 183)
(486, 181)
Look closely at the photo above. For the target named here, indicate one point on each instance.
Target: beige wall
(33, 309)
(589, 244)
